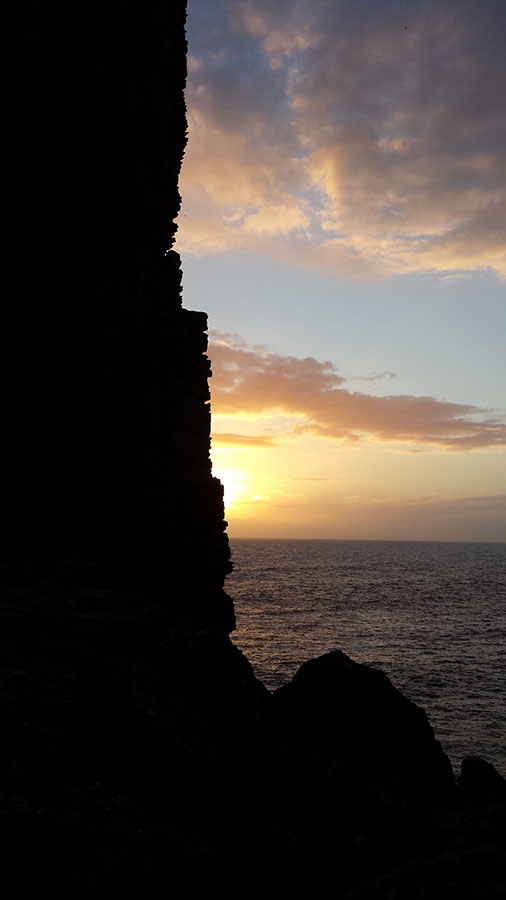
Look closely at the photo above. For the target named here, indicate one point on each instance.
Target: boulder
(354, 712)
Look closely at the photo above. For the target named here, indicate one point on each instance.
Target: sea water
(432, 616)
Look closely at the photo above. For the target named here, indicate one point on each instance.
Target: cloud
(227, 439)
(478, 517)
(315, 400)
(362, 139)
(375, 376)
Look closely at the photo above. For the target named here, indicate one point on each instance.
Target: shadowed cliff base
(139, 755)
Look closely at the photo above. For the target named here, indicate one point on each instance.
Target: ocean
(432, 616)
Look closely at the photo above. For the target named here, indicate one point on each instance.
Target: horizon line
(371, 540)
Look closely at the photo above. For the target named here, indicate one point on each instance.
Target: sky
(343, 224)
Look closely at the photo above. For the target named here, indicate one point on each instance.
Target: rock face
(355, 713)
(106, 474)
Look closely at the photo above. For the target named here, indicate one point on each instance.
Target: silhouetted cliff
(105, 459)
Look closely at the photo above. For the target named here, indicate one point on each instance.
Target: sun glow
(236, 484)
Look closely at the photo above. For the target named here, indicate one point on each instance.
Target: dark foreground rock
(354, 712)
(141, 761)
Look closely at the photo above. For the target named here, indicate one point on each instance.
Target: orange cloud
(227, 439)
(349, 143)
(252, 381)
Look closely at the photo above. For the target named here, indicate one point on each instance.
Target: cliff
(139, 756)
(106, 470)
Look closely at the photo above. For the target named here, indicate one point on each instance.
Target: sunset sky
(344, 227)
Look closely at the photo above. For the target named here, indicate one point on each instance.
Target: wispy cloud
(362, 139)
(316, 400)
(229, 439)
(374, 376)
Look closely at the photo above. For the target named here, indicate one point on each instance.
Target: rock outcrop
(139, 755)
(355, 713)
(106, 477)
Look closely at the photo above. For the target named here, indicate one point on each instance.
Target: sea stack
(106, 477)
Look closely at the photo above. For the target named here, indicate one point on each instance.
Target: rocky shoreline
(138, 760)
